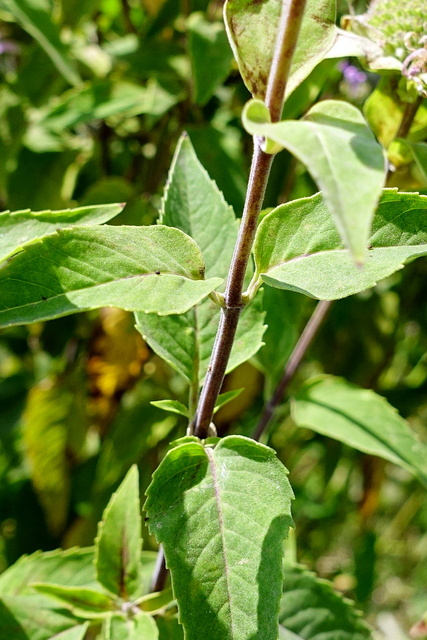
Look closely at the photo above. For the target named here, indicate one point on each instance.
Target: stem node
(287, 35)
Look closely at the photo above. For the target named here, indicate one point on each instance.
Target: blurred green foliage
(93, 98)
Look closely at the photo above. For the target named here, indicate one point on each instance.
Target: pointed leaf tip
(359, 418)
(290, 253)
(342, 155)
(119, 542)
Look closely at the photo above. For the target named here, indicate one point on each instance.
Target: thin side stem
(130, 27)
(408, 117)
(293, 364)
(160, 572)
(289, 26)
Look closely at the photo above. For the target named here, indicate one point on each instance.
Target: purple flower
(352, 74)
(8, 46)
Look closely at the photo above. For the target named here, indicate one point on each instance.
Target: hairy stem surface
(289, 26)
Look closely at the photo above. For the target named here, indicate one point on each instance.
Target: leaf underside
(298, 248)
(18, 228)
(152, 269)
(351, 183)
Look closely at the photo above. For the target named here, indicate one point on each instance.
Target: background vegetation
(94, 96)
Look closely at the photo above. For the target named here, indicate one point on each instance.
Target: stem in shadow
(293, 364)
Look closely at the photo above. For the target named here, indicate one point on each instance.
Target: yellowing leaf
(54, 425)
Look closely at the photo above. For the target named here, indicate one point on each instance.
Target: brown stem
(289, 26)
(261, 164)
(287, 37)
(160, 572)
(293, 364)
(408, 117)
(130, 27)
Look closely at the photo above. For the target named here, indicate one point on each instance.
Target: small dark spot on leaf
(157, 273)
(320, 20)
(44, 298)
(202, 272)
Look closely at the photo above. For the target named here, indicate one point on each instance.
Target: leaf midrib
(217, 496)
(265, 271)
(366, 428)
(95, 285)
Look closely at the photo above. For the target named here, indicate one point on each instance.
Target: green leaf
(35, 17)
(186, 341)
(43, 180)
(360, 418)
(171, 405)
(350, 181)
(311, 609)
(157, 602)
(169, 628)
(73, 567)
(384, 111)
(252, 31)
(18, 228)
(74, 633)
(208, 48)
(222, 527)
(298, 248)
(140, 627)
(32, 618)
(285, 634)
(119, 543)
(103, 99)
(220, 150)
(193, 203)
(226, 397)
(151, 269)
(82, 602)
(283, 320)
(54, 424)
(419, 153)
